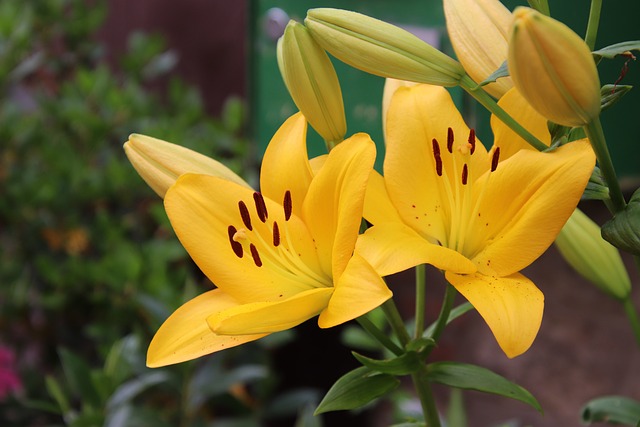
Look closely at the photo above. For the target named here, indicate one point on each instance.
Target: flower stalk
(593, 23)
(420, 299)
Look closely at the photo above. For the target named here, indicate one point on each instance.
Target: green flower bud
(160, 163)
(380, 48)
(623, 230)
(312, 82)
(582, 246)
(553, 69)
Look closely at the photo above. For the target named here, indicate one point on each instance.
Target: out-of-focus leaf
(132, 388)
(613, 410)
(78, 376)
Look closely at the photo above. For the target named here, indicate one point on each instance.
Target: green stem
(596, 137)
(420, 299)
(490, 104)
(420, 380)
(632, 315)
(594, 22)
(379, 335)
(447, 304)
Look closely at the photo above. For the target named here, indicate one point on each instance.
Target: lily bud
(380, 48)
(478, 30)
(582, 246)
(312, 82)
(553, 69)
(160, 163)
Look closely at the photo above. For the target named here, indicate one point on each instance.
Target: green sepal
(405, 364)
(502, 71)
(612, 409)
(472, 377)
(356, 389)
(614, 50)
(611, 94)
(623, 230)
(596, 187)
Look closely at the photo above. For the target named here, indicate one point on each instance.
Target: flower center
(459, 185)
(269, 243)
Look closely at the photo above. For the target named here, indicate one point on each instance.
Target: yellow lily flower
(443, 193)
(479, 34)
(278, 257)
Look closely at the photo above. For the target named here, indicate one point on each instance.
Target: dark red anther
(472, 140)
(261, 207)
(255, 255)
(436, 156)
(287, 204)
(236, 246)
(495, 158)
(450, 140)
(244, 213)
(276, 234)
(465, 174)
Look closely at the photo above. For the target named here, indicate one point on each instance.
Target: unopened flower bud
(553, 69)
(380, 48)
(160, 163)
(478, 30)
(582, 246)
(312, 82)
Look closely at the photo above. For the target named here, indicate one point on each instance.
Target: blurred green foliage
(87, 255)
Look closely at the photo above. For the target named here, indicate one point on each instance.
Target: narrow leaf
(502, 71)
(78, 375)
(612, 409)
(355, 389)
(472, 377)
(405, 364)
(611, 94)
(614, 50)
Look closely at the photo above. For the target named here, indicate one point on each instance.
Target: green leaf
(55, 391)
(129, 390)
(596, 187)
(405, 364)
(614, 50)
(623, 230)
(355, 389)
(611, 94)
(78, 375)
(420, 344)
(612, 409)
(472, 377)
(502, 71)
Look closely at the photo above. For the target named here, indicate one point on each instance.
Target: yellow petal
(416, 116)
(512, 307)
(478, 30)
(377, 204)
(333, 207)
(518, 108)
(267, 317)
(285, 165)
(390, 87)
(393, 247)
(527, 201)
(185, 335)
(358, 291)
(160, 163)
(202, 208)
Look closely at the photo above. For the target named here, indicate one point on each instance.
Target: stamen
(494, 159)
(288, 206)
(261, 207)
(436, 155)
(465, 174)
(244, 213)
(276, 234)
(472, 140)
(255, 255)
(450, 140)
(236, 246)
